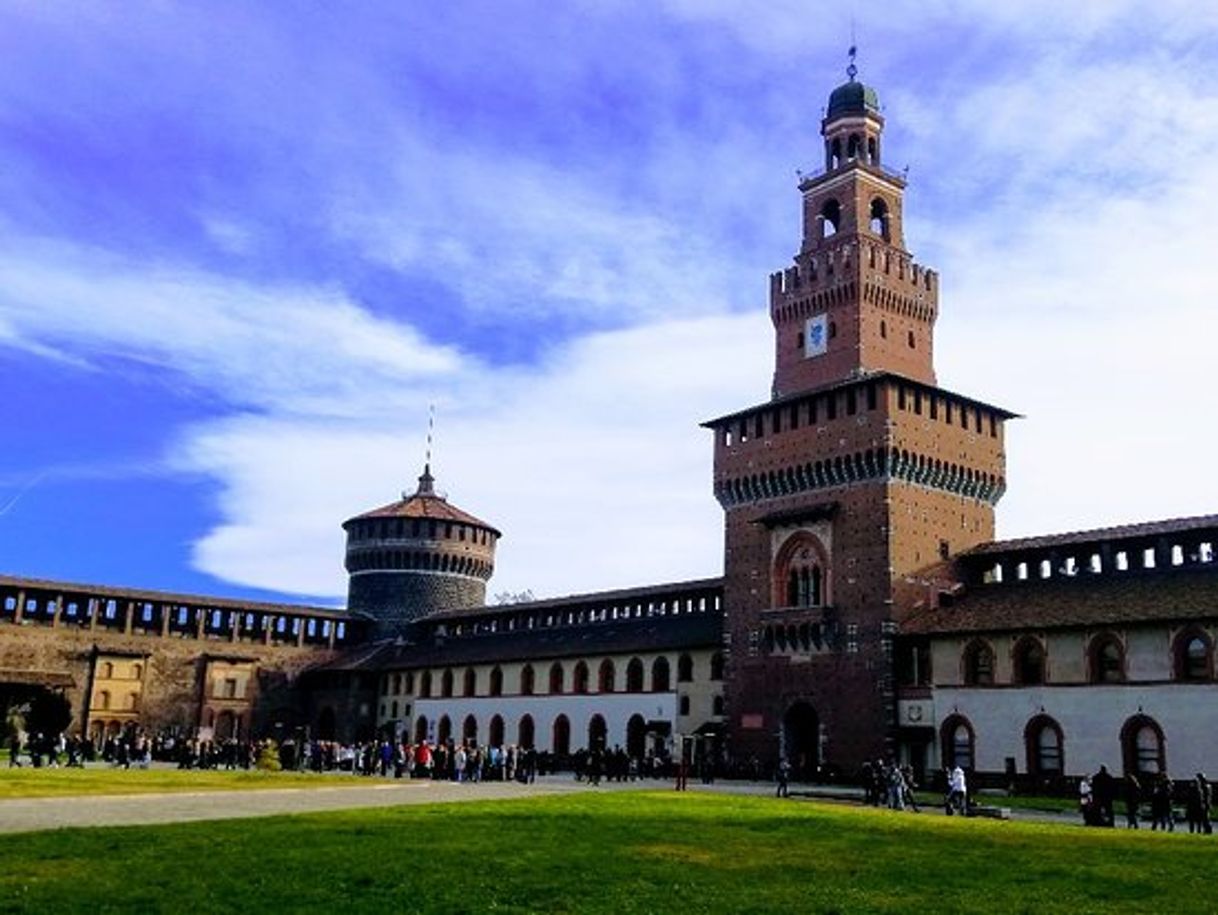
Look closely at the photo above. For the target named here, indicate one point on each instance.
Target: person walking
(1133, 797)
(957, 792)
(784, 778)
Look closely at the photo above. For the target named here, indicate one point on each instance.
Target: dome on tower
(424, 503)
(852, 98)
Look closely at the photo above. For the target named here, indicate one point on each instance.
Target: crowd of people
(1160, 795)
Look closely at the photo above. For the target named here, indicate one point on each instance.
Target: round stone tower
(417, 556)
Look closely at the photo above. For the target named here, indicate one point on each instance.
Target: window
(1142, 746)
(556, 679)
(471, 682)
(979, 664)
(527, 679)
(1029, 662)
(107, 670)
(446, 684)
(685, 669)
(579, 678)
(606, 677)
(683, 706)
(634, 676)
(659, 675)
(1193, 655)
(496, 682)
(425, 685)
(1107, 660)
(959, 742)
(716, 666)
(1043, 739)
(717, 706)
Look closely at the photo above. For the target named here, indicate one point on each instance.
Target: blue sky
(243, 247)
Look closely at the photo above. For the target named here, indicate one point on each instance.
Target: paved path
(30, 814)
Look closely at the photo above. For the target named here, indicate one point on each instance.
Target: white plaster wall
(1091, 718)
(615, 708)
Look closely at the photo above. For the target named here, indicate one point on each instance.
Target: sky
(243, 247)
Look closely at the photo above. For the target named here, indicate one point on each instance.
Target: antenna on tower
(851, 70)
(431, 428)
(427, 481)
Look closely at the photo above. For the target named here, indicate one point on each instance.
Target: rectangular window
(814, 410)
(993, 426)
(934, 407)
(794, 416)
(758, 428)
(871, 396)
(901, 398)
(831, 407)
(918, 402)
(947, 406)
(776, 422)
(852, 405)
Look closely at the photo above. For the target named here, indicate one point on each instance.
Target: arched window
(471, 682)
(496, 685)
(606, 677)
(717, 706)
(496, 732)
(527, 679)
(1193, 655)
(634, 676)
(879, 218)
(1044, 746)
(1143, 749)
(425, 685)
(831, 218)
(103, 699)
(685, 669)
(959, 742)
(469, 730)
(597, 733)
(420, 729)
(561, 744)
(137, 671)
(107, 671)
(659, 675)
(444, 731)
(979, 664)
(1107, 657)
(716, 666)
(446, 684)
(1029, 661)
(556, 678)
(799, 575)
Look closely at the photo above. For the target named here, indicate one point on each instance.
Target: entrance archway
(801, 740)
(597, 732)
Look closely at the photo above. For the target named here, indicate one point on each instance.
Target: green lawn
(611, 852)
(44, 782)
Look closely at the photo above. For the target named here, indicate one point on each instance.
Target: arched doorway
(420, 729)
(636, 736)
(226, 726)
(496, 733)
(470, 730)
(562, 736)
(801, 740)
(597, 733)
(445, 730)
(525, 734)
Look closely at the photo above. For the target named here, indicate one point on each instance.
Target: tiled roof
(659, 633)
(169, 597)
(1120, 532)
(1082, 600)
(430, 507)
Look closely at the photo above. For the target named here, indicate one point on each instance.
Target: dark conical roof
(852, 98)
(424, 503)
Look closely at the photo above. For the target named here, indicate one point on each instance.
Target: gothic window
(446, 684)
(556, 678)
(800, 579)
(607, 677)
(580, 678)
(634, 676)
(496, 682)
(979, 664)
(471, 682)
(425, 685)
(1107, 660)
(1029, 660)
(527, 679)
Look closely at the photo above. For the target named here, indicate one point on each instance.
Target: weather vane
(852, 71)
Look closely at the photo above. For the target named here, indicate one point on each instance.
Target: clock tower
(845, 493)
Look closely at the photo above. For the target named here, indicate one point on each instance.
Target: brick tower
(417, 556)
(845, 491)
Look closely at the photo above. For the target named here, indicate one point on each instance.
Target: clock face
(816, 336)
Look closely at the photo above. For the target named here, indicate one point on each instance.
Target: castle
(865, 608)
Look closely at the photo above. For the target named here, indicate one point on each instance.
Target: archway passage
(801, 740)
(40, 709)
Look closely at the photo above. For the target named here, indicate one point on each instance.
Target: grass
(1014, 801)
(614, 852)
(44, 782)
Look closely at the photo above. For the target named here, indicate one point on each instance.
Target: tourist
(784, 776)
(14, 751)
(957, 792)
(1103, 785)
(1160, 805)
(1133, 797)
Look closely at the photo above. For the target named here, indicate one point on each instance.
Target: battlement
(831, 268)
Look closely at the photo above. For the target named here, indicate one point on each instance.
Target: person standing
(784, 778)
(1133, 797)
(957, 792)
(1201, 788)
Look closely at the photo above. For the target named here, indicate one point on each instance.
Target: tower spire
(851, 70)
(427, 481)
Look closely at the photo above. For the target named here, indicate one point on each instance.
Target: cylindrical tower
(416, 556)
